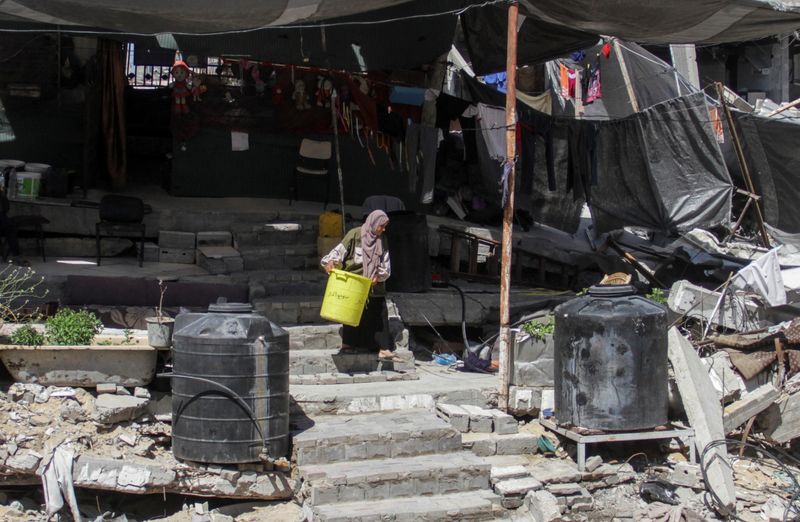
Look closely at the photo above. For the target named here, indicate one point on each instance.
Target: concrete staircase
(407, 465)
(314, 358)
(281, 268)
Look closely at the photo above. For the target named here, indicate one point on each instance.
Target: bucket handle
(225, 391)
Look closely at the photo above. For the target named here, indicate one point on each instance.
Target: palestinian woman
(363, 251)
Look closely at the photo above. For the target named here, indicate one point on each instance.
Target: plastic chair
(315, 157)
(120, 216)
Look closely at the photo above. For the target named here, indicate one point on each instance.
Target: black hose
(716, 503)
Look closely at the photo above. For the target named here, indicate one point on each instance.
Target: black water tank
(230, 388)
(611, 360)
(407, 235)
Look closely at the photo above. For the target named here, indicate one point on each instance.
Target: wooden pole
(785, 107)
(508, 210)
(625, 75)
(737, 145)
(335, 123)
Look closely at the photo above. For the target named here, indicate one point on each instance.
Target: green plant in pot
(72, 327)
(160, 327)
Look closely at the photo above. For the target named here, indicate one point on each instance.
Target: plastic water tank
(611, 360)
(230, 386)
(407, 236)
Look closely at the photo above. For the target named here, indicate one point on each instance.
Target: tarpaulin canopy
(412, 29)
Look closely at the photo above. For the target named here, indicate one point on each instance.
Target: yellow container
(345, 297)
(330, 224)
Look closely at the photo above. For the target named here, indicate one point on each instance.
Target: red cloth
(366, 105)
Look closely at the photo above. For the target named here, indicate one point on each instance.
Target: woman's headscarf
(371, 245)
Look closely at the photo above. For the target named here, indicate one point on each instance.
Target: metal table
(685, 434)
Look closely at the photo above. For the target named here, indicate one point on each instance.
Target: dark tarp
(677, 21)
(485, 34)
(771, 151)
(661, 169)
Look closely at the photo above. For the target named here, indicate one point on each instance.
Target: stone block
(151, 252)
(517, 444)
(184, 256)
(214, 239)
(508, 472)
(512, 502)
(503, 424)
(563, 490)
(106, 387)
(142, 393)
(484, 447)
(110, 409)
(542, 506)
(533, 361)
(177, 240)
(23, 462)
(519, 486)
(220, 259)
(556, 472)
(524, 401)
(593, 462)
(480, 420)
(457, 416)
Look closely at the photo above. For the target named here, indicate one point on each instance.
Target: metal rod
(785, 107)
(335, 123)
(737, 145)
(625, 75)
(508, 211)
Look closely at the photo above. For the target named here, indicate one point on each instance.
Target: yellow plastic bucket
(344, 298)
(330, 224)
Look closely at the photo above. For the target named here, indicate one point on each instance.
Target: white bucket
(28, 184)
(36, 167)
(16, 164)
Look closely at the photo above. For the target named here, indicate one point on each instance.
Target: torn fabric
(57, 484)
(763, 276)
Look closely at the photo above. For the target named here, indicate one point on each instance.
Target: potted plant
(68, 350)
(160, 327)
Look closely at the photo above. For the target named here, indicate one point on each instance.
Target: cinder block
(517, 444)
(220, 260)
(151, 252)
(214, 239)
(176, 255)
(175, 239)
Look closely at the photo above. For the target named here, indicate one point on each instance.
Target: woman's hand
(330, 266)
(375, 280)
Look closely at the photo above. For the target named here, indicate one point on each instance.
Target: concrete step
(488, 444)
(308, 362)
(319, 379)
(406, 433)
(275, 236)
(295, 257)
(290, 309)
(315, 337)
(398, 477)
(465, 506)
(311, 288)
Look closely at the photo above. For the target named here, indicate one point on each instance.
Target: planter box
(85, 366)
(532, 361)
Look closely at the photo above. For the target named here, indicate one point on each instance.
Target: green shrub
(27, 335)
(657, 296)
(538, 330)
(70, 327)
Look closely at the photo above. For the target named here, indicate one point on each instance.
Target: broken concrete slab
(727, 382)
(556, 472)
(566, 489)
(111, 409)
(543, 506)
(699, 303)
(750, 405)
(220, 259)
(517, 487)
(781, 420)
(593, 462)
(705, 415)
(498, 474)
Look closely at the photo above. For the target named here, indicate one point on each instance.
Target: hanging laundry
(572, 77)
(595, 90)
(492, 122)
(563, 74)
(448, 108)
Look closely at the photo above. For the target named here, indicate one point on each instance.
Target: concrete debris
(593, 462)
(705, 415)
(517, 487)
(728, 384)
(457, 416)
(556, 472)
(122, 390)
(106, 387)
(781, 420)
(699, 303)
(543, 506)
(749, 406)
(480, 420)
(142, 393)
(112, 409)
(506, 473)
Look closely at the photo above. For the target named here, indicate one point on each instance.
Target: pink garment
(371, 246)
(595, 90)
